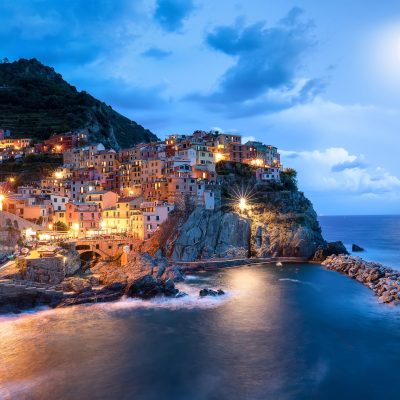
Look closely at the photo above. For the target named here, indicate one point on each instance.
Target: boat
(279, 264)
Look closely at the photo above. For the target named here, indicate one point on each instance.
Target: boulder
(146, 287)
(174, 273)
(355, 248)
(169, 288)
(149, 286)
(74, 284)
(211, 292)
(329, 249)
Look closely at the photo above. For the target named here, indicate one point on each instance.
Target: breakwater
(384, 281)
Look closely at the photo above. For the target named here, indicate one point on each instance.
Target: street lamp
(242, 204)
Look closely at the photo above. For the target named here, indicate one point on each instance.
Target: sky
(319, 80)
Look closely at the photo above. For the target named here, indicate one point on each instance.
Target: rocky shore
(385, 282)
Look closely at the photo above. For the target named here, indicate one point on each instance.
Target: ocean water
(379, 235)
(296, 332)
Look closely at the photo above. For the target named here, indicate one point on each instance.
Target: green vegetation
(35, 102)
(33, 167)
(60, 226)
(289, 179)
(239, 170)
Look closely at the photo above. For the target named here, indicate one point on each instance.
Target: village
(128, 192)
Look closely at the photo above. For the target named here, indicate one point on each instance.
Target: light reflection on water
(296, 332)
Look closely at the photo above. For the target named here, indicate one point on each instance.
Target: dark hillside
(35, 101)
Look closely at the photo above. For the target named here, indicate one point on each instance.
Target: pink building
(82, 217)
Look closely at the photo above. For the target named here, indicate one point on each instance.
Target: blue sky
(320, 80)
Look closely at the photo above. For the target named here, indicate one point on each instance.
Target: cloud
(54, 33)
(336, 170)
(156, 53)
(348, 165)
(266, 75)
(171, 14)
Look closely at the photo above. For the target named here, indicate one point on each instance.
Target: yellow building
(123, 218)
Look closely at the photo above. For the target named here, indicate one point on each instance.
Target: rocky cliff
(281, 223)
(213, 234)
(284, 224)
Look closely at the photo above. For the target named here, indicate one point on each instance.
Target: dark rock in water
(149, 286)
(14, 299)
(180, 294)
(175, 273)
(356, 248)
(145, 288)
(329, 249)
(169, 288)
(210, 292)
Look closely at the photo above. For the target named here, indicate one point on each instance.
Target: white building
(58, 202)
(154, 214)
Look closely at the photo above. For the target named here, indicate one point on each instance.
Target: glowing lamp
(242, 204)
(219, 157)
(75, 226)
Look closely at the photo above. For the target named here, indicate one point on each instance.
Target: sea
(378, 235)
(293, 332)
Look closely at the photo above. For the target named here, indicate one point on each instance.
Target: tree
(60, 226)
(289, 179)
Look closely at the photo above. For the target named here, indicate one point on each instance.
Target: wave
(191, 301)
(299, 281)
(196, 278)
(25, 313)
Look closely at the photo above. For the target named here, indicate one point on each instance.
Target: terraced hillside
(35, 101)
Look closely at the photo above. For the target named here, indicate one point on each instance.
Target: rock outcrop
(275, 224)
(329, 249)
(356, 248)
(385, 282)
(284, 224)
(213, 234)
(211, 292)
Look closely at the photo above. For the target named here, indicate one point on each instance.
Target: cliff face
(35, 101)
(276, 224)
(213, 234)
(284, 224)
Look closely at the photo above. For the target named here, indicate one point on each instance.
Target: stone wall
(43, 270)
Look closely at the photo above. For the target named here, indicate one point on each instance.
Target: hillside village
(127, 192)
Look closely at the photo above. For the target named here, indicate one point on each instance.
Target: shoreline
(383, 281)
